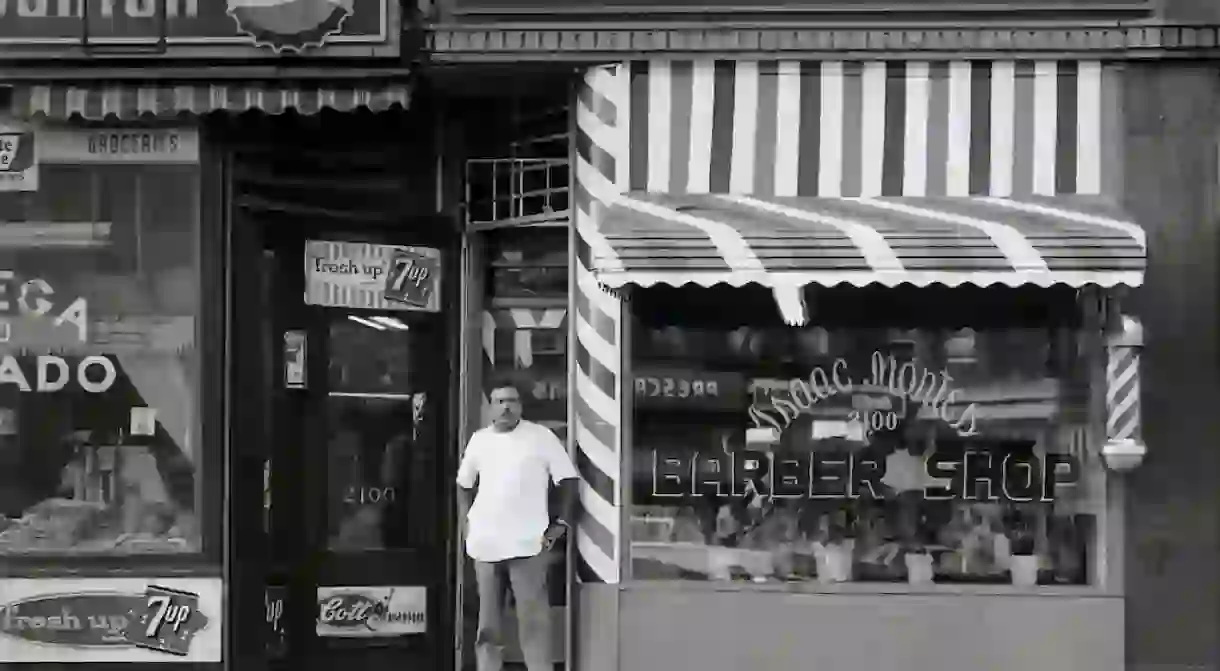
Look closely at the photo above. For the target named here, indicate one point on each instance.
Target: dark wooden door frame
(250, 368)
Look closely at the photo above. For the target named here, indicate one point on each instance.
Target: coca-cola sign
(371, 611)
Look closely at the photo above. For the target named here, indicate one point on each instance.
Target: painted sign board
(273, 26)
(541, 8)
(24, 147)
(131, 145)
(372, 611)
(18, 156)
(373, 277)
(111, 619)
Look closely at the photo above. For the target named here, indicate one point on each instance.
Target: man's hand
(553, 534)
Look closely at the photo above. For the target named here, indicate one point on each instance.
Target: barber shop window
(99, 375)
(929, 436)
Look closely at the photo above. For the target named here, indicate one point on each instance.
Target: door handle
(296, 346)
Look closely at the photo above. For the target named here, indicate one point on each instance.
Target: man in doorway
(509, 526)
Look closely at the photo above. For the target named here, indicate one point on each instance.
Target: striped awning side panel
(133, 100)
(710, 239)
(999, 128)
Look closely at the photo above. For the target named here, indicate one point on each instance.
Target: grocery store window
(99, 376)
(906, 435)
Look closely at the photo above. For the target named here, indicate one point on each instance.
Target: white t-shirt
(513, 470)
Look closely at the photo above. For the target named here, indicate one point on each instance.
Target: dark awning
(99, 101)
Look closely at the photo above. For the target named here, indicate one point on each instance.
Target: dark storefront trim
(129, 101)
(585, 43)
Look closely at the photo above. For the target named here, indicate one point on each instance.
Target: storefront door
(352, 555)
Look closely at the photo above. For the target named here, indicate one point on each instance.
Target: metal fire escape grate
(515, 191)
(527, 183)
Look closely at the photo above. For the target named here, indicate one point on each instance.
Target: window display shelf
(904, 589)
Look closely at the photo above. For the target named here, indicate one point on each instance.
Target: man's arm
(567, 480)
(569, 489)
(467, 477)
(465, 497)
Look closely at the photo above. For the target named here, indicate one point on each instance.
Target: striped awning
(99, 101)
(648, 239)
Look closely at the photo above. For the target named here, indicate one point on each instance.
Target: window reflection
(861, 483)
(528, 263)
(369, 451)
(369, 356)
(99, 446)
(375, 420)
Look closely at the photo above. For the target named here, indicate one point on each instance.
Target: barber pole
(1123, 382)
(602, 161)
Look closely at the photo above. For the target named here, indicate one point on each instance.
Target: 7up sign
(18, 164)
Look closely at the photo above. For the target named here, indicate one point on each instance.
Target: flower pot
(1024, 569)
(719, 563)
(919, 568)
(834, 562)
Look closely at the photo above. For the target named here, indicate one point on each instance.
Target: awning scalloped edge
(613, 281)
(617, 293)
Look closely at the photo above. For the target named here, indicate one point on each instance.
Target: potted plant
(919, 562)
(919, 565)
(834, 552)
(1024, 563)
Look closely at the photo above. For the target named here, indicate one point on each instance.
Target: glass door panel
(372, 409)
